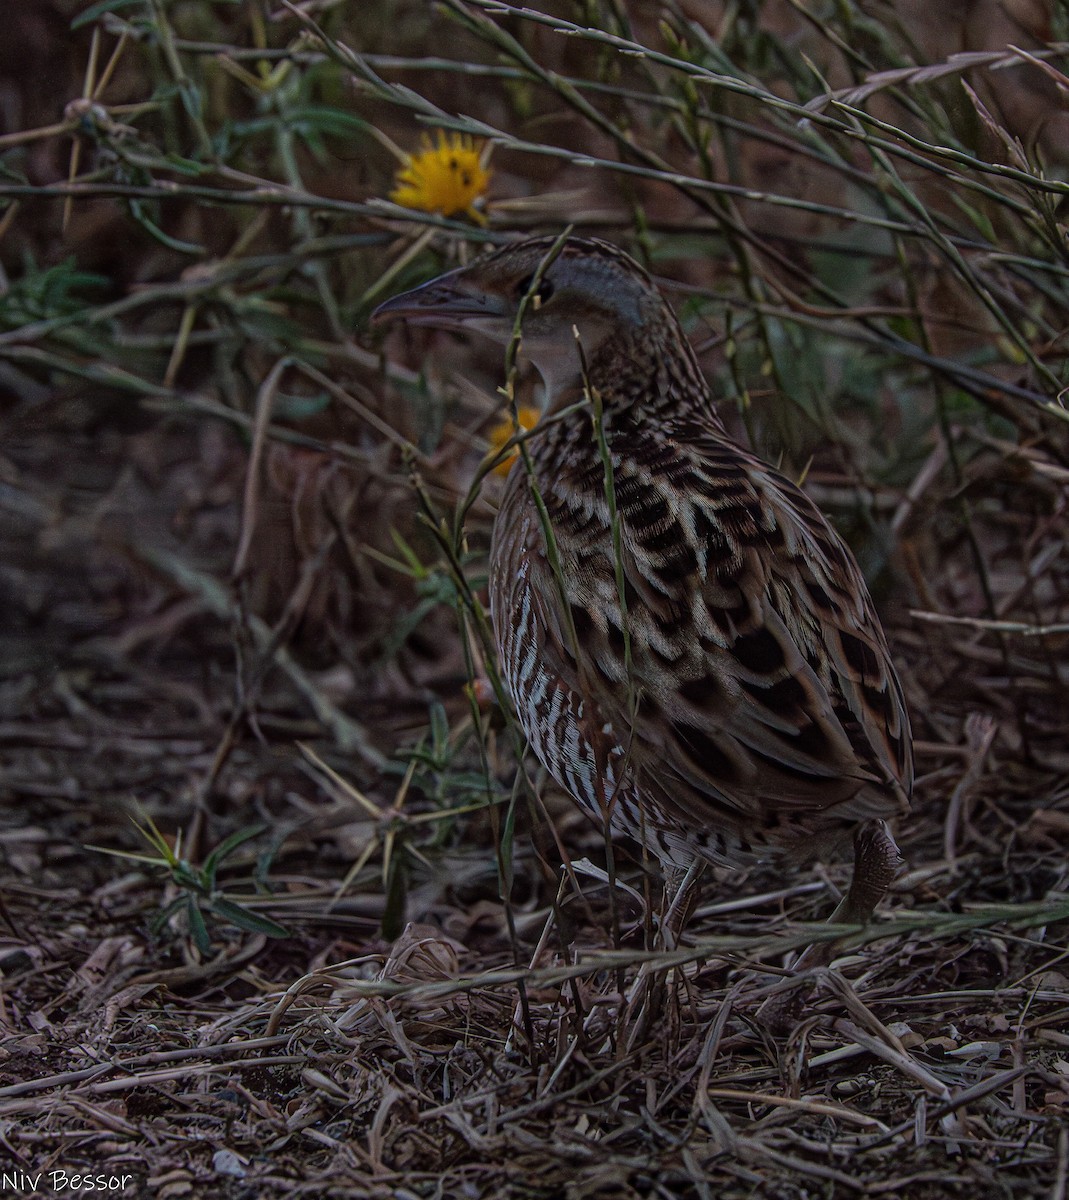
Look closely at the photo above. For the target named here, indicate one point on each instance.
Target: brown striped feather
(760, 710)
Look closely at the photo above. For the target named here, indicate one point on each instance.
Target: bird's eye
(545, 290)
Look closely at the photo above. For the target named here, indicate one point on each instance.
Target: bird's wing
(774, 691)
(754, 686)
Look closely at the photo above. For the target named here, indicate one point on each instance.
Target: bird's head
(590, 289)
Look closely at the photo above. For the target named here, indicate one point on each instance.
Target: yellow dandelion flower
(447, 178)
(500, 434)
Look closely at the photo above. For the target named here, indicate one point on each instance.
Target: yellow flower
(447, 178)
(500, 434)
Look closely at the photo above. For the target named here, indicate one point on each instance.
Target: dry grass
(241, 557)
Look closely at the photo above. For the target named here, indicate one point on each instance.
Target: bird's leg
(646, 1000)
(680, 893)
(876, 864)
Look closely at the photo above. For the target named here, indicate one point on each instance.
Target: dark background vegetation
(238, 644)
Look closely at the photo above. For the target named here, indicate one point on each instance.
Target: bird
(689, 646)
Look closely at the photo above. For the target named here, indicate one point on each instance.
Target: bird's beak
(445, 303)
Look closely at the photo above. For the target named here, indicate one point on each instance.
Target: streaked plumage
(729, 693)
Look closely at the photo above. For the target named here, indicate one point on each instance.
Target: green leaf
(155, 926)
(197, 927)
(393, 915)
(97, 10)
(418, 570)
(227, 847)
(150, 227)
(251, 922)
(980, 219)
(322, 119)
(296, 408)
(439, 731)
(187, 166)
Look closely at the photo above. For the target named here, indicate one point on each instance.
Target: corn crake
(713, 681)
